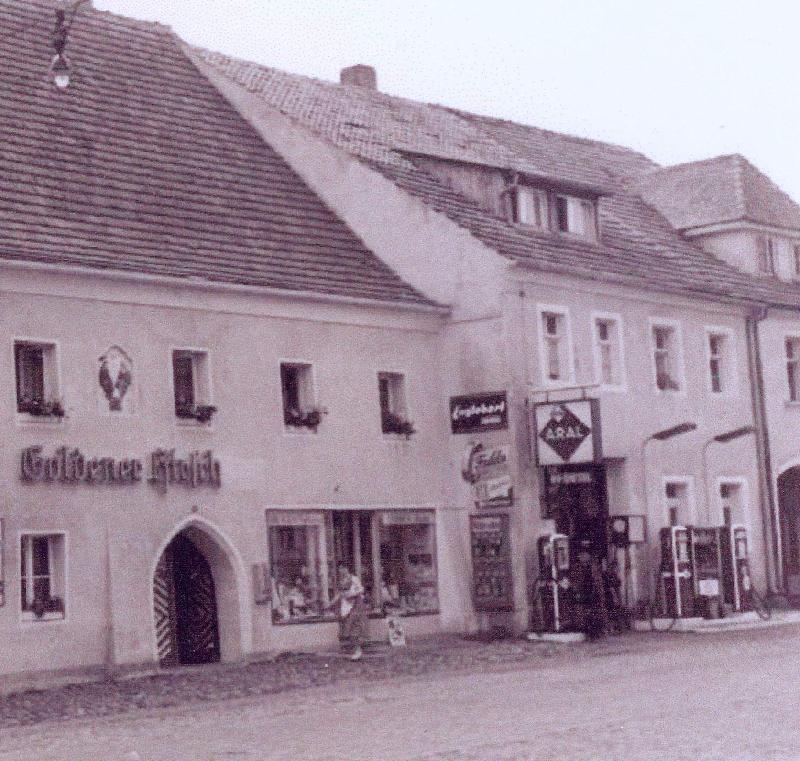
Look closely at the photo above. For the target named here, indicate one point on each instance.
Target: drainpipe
(764, 460)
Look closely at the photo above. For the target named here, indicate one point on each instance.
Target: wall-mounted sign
(71, 466)
(487, 469)
(568, 432)
(490, 539)
(476, 413)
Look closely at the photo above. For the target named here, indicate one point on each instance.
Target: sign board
(476, 413)
(487, 469)
(490, 540)
(397, 634)
(567, 432)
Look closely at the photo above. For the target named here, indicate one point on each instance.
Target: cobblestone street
(721, 696)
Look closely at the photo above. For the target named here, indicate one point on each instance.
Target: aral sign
(568, 432)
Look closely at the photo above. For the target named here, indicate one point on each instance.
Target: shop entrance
(789, 515)
(576, 496)
(185, 605)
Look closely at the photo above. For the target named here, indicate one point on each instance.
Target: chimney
(359, 75)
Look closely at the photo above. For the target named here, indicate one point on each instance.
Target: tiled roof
(638, 245)
(718, 190)
(140, 165)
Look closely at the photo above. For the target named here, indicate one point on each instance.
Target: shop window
(37, 379)
(297, 389)
(575, 216)
(555, 350)
(191, 385)
(720, 362)
(766, 255)
(392, 552)
(393, 407)
(609, 370)
(42, 571)
(676, 502)
(793, 368)
(666, 359)
(530, 207)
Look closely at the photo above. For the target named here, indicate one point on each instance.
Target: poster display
(490, 540)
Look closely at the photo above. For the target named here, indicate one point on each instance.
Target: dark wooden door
(185, 606)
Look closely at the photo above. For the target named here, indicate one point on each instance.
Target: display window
(393, 552)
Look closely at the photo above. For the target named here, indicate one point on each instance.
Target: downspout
(763, 457)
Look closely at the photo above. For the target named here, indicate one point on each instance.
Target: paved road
(734, 696)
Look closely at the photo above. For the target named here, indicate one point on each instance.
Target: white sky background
(678, 80)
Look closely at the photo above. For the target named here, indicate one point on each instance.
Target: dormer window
(530, 207)
(575, 216)
(766, 255)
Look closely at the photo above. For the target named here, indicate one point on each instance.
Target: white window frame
(794, 338)
(594, 318)
(581, 216)
(52, 379)
(680, 369)
(311, 390)
(744, 485)
(770, 254)
(405, 409)
(569, 374)
(26, 616)
(730, 375)
(203, 390)
(544, 201)
(691, 503)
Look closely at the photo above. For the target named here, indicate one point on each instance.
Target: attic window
(575, 216)
(530, 207)
(766, 256)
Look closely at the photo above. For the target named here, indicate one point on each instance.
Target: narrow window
(297, 387)
(665, 356)
(553, 330)
(392, 400)
(608, 352)
(717, 344)
(576, 216)
(797, 260)
(42, 576)
(191, 385)
(531, 207)
(732, 502)
(562, 214)
(793, 368)
(766, 255)
(36, 378)
(676, 496)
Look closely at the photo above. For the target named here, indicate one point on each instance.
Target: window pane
(41, 555)
(562, 214)
(183, 376)
(290, 388)
(30, 373)
(408, 563)
(602, 330)
(296, 573)
(716, 382)
(606, 364)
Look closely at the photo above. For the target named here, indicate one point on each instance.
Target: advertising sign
(492, 589)
(568, 432)
(487, 469)
(476, 413)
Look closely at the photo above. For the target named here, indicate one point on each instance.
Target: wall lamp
(59, 66)
(720, 438)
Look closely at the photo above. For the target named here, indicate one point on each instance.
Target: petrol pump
(704, 544)
(554, 584)
(736, 582)
(676, 572)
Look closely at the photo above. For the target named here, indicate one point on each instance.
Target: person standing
(352, 612)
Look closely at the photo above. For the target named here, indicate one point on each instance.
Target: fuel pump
(554, 585)
(706, 569)
(676, 574)
(736, 582)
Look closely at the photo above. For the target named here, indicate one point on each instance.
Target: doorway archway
(789, 520)
(196, 599)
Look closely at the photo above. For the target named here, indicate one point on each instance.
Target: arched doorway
(789, 514)
(185, 605)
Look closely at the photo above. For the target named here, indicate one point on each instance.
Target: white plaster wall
(348, 463)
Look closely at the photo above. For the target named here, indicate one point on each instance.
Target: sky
(676, 80)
